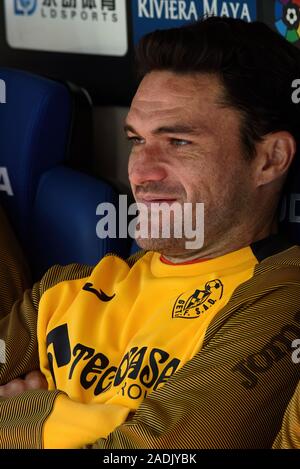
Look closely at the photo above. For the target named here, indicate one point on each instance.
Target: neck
(222, 248)
(179, 259)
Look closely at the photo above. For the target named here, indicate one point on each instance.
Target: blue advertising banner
(148, 15)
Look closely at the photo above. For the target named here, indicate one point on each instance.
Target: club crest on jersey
(191, 306)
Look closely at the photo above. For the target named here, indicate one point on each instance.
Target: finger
(35, 380)
(13, 388)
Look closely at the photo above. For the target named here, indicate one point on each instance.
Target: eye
(134, 140)
(179, 142)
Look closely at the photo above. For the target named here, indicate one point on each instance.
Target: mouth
(148, 200)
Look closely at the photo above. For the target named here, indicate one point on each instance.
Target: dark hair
(255, 64)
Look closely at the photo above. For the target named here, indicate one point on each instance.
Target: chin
(167, 247)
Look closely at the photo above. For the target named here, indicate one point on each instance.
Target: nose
(146, 167)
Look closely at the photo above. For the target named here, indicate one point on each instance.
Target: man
(178, 348)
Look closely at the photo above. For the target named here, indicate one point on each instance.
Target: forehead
(169, 94)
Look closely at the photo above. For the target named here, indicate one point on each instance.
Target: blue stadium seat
(36, 134)
(134, 248)
(52, 207)
(65, 220)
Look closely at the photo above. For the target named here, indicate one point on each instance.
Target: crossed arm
(15, 279)
(230, 395)
(217, 400)
(33, 380)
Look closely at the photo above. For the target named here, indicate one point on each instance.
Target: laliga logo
(25, 7)
(287, 19)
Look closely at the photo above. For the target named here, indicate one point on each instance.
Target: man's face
(186, 148)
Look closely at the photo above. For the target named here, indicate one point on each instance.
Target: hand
(33, 380)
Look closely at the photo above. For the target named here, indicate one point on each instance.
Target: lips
(155, 197)
(149, 200)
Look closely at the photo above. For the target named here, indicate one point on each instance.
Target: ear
(274, 156)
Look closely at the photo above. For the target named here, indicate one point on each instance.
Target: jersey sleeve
(72, 424)
(15, 276)
(233, 393)
(22, 418)
(18, 336)
(51, 420)
(18, 328)
(289, 435)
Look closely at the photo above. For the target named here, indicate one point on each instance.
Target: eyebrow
(169, 129)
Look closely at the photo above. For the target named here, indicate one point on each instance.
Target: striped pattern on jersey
(14, 272)
(209, 404)
(289, 435)
(231, 395)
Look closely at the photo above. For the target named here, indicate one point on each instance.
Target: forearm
(15, 276)
(74, 424)
(19, 339)
(289, 435)
(22, 418)
(50, 420)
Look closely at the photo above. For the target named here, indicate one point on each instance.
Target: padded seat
(39, 129)
(65, 220)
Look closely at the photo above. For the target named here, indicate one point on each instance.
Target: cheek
(201, 182)
(214, 187)
(130, 163)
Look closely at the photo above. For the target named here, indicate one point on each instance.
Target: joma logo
(275, 350)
